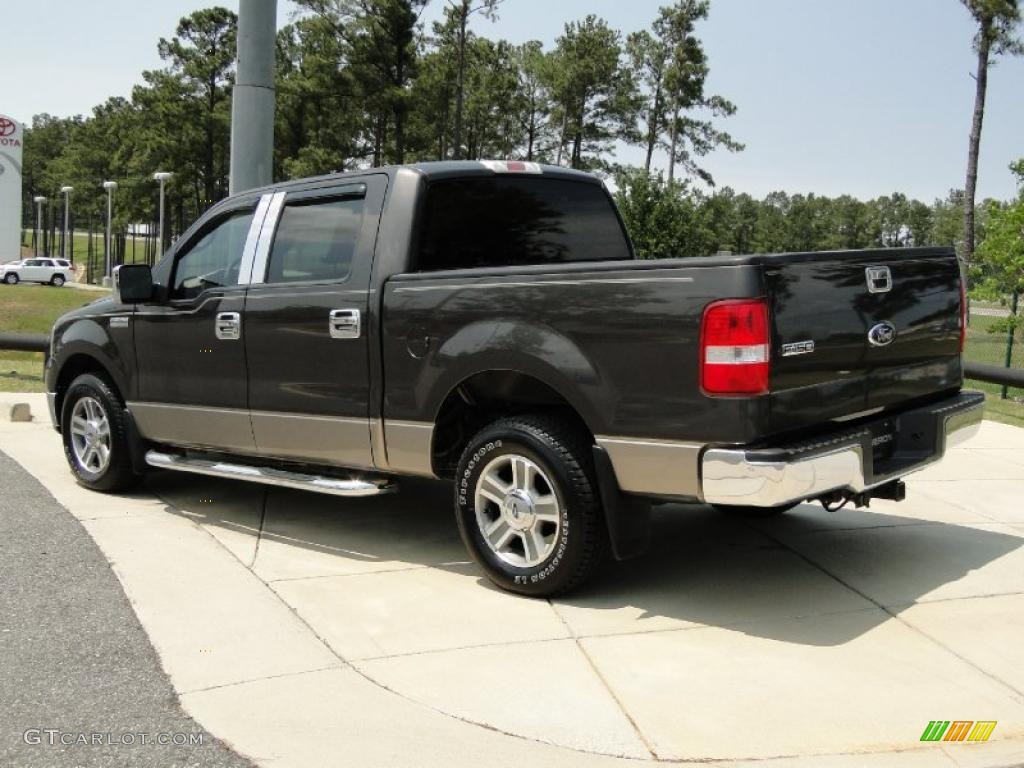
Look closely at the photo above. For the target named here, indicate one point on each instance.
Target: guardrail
(25, 342)
(994, 374)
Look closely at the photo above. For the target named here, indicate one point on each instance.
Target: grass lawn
(32, 309)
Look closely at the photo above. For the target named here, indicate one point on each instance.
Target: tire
(57, 281)
(11, 278)
(754, 512)
(94, 400)
(529, 480)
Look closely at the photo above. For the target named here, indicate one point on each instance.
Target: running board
(356, 486)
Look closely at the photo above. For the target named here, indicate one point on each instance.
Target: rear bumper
(773, 476)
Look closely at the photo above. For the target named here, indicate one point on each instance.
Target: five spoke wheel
(517, 510)
(90, 435)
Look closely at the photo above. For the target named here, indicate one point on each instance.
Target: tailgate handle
(344, 324)
(879, 279)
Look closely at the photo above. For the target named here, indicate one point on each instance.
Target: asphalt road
(74, 659)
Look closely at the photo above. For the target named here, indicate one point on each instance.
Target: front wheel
(57, 281)
(94, 430)
(527, 505)
(11, 279)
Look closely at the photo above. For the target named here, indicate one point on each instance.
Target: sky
(864, 97)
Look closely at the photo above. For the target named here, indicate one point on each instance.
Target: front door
(306, 325)
(192, 387)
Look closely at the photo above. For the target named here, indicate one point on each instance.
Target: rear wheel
(11, 278)
(57, 281)
(731, 509)
(527, 505)
(94, 430)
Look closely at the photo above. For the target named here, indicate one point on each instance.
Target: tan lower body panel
(655, 467)
(318, 439)
(409, 445)
(226, 429)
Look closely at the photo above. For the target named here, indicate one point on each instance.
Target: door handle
(344, 324)
(228, 326)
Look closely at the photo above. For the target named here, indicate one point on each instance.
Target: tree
(684, 76)
(997, 21)
(594, 93)
(660, 216)
(202, 55)
(649, 59)
(457, 15)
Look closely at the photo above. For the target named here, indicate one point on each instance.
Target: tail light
(963, 315)
(734, 348)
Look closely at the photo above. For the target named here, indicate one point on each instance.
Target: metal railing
(25, 342)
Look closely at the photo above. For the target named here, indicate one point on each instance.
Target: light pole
(110, 186)
(39, 200)
(67, 220)
(162, 177)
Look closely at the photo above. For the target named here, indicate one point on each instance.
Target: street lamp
(39, 200)
(110, 186)
(67, 221)
(162, 177)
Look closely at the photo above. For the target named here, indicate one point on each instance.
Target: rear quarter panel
(619, 341)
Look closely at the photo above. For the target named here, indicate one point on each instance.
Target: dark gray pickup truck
(485, 323)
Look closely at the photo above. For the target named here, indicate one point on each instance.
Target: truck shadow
(767, 578)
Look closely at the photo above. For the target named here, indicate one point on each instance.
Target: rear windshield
(518, 220)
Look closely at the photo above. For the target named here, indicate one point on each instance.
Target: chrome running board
(336, 486)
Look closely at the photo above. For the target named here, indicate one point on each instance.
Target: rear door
(305, 325)
(861, 331)
(33, 270)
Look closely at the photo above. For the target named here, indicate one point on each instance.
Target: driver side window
(213, 259)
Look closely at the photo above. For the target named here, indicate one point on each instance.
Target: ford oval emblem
(882, 335)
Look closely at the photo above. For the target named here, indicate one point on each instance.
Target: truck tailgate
(842, 346)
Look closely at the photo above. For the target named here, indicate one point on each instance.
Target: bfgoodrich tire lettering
(562, 495)
(94, 400)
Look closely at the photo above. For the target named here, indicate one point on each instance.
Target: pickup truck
(486, 324)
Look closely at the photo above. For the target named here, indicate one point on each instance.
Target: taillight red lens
(963, 315)
(734, 348)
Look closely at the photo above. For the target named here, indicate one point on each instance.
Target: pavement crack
(259, 532)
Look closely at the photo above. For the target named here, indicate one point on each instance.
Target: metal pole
(252, 99)
(108, 266)
(39, 200)
(67, 220)
(1009, 336)
(162, 177)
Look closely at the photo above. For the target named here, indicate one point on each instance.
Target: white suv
(53, 271)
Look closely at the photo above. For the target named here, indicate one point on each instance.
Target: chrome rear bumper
(771, 477)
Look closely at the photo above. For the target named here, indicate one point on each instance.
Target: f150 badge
(797, 348)
(882, 335)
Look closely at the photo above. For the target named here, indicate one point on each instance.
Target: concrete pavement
(305, 630)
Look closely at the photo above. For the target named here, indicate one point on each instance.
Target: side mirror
(133, 283)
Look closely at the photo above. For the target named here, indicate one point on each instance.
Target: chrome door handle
(228, 326)
(344, 324)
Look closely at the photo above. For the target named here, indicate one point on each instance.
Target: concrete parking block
(547, 691)
(306, 534)
(987, 631)
(339, 718)
(732, 694)
(15, 411)
(411, 611)
(906, 564)
(210, 619)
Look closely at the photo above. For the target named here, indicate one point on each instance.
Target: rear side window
(515, 221)
(316, 241)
